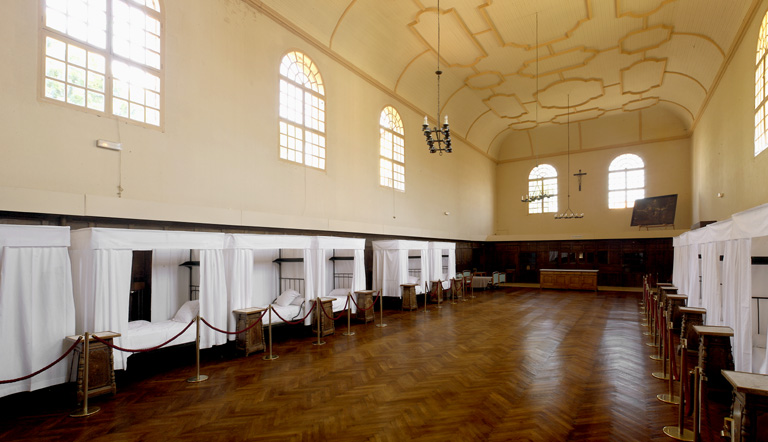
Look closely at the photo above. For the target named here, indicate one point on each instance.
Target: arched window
(761, 91)
(543, 179)
(302, 111)
(391, 149)
(626, 181)
(104, 57)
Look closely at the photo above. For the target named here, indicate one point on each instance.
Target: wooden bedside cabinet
(252, 340)
(101, 372)
(409, 296)
(327, 326)
(364, 301)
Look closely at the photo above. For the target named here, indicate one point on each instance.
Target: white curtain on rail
(679, 266)
(37, 312)
(170, 283)
(213, 298)
(711, 296)
(737, 289)
(239, 265)
(692, 276)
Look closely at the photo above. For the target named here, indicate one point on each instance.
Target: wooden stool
(750, 406)
(409, 296)
(364, 303)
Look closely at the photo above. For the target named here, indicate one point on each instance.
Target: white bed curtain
(678, 266)
(358, 274)
(213, 298)
(239, 265)
(388, 267)
(37, 312)
(737, 286)
(711, 295)
(693, 269)
(169, 281)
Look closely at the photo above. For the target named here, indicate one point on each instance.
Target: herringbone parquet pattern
(510, 365)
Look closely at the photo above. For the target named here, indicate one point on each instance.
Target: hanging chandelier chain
(442, 140)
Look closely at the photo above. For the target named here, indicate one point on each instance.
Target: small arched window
(302, 111)
(626, 181)
(543, 179)
(761, 91)
(391, 149)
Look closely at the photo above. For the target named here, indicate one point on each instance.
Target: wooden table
(101, 363)
(569, 279)
(364, 301)
(327, 327)
(252, 340)
(409, 296)
(714, 355)
(750, 405)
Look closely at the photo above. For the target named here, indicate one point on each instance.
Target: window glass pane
(75, 95)
(54, 89)
(633, 195)
(95, 101)
(616, 180)
(616, 200)
(55, 68)
(635, 179)
(55, 48)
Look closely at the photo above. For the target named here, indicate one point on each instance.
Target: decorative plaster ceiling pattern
(613, 57)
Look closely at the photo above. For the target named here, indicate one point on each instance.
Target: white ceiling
(608, 57)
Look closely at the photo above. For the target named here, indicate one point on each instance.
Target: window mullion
(108, 68)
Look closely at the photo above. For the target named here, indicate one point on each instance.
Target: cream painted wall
(723, 141)
(667, 166)
(216, 159)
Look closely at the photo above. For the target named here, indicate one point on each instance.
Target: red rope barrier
(296, 322)
(141, 350)
(10, 381)
(340, 314)
(236, 332)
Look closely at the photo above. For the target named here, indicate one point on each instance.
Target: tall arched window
(104, 57)
(543, 179)
(391, 149)
(761, 91)
(302, 111)
(626, 181)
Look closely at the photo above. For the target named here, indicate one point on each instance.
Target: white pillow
(187, 312)
(286, 298)
(339, 293)
(413, 280)
(298, 300)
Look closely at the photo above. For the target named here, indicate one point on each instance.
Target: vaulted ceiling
(511, 66)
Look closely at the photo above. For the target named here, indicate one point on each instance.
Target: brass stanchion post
(696, 404)
(381, 308)
(439, 291)
(318, 306)
(426, 297)
(270, 356)
(198, 377)
(85, 411)
(349, 320)
(669, 397)
(679, 432)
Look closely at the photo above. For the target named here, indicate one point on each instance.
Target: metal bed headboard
(292, 283)
(342, 280)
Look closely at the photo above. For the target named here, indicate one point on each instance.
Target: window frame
(392, 130)
(548, 187)
(109, 56)
(624, 172)
(761, 107)
(318, 152)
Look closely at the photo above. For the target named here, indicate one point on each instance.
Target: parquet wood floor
(510, 365)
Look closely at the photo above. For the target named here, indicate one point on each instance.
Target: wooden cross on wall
(580, 175)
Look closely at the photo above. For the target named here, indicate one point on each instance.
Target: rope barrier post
(381, 307)
(270, 356)
(697, 404)
(663, 374)
(349, 332)
(453, 291)
(439, 292)
(85, 411)
(426, 297)
(198, 377)
(318, 307)
(679, 432)
(669, 397)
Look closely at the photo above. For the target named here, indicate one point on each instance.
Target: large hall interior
(384, 220)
